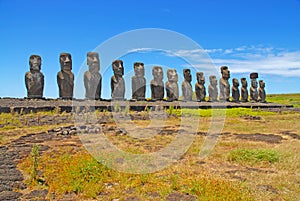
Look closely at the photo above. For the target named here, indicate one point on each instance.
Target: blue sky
(247, 36)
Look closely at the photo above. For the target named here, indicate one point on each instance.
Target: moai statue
(157, 85)
(235, 90)
(172, 85)
(253, 88)
(187, 90)
(34, 79)
(199, 87)
(224, 84)
(262, 92)
(65, 77)
(92, 77)
(244, 90)
(138, 82)
(212, 89)
(117, 82)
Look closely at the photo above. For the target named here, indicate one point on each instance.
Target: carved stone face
(187, 75)
(261, 84)
(65, 62)
(226, 74)
(35, 62)
(93, 61)
(118, 68)
(254, 83)
(157, 73)
(139, 70)
(172, 75)
(213, 80)
(235, 82)
(200, 78)
(244, 83)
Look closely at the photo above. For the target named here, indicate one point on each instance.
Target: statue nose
(67, 59)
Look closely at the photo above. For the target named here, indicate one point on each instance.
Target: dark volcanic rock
(268, 138)
(177, 196)
(10, 195)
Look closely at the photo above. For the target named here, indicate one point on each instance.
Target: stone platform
(35, 105)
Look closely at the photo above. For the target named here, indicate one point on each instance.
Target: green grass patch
(253, 156)
(208, 188)
(79, 174)
(229, 112)
(82, 174)
(292, 99)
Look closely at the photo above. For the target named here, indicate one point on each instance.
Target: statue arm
(133, 85)
(112, 86)
(85, 80)
(41, 87)
(28, 80)
(183, 88)
(59, 80)
(100, 86)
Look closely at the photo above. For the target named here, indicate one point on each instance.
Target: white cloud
(246, 59)
(142, 50)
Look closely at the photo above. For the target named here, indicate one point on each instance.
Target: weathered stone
(34, 79)
(138, 82)
(65, 77)
(176, 196)
(187, 91)
(235, 90)
(172, 85)
(157, 85)
(199, 87)
(10, 195)
(212, 89)
(244, 90)
(117, 82)
(261, 92)
(224, 84)
(92, 77)
(253, 88)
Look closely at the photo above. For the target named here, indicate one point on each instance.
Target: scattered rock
(10, 195)
(37, 194)
(249, 117)
(177, 196)
(268, 138)
(292, 135)
(132, 198)
(268, 188)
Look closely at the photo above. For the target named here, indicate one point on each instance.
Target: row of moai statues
(256, 94)
(34, 80)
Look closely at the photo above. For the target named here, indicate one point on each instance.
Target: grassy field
(293, 99)
(253, 159)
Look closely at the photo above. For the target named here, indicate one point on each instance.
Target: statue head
(253, 83)
(235, 82)
(244, 82)
(93, 61)
(172, 75)
(187, 75)
(139, 70)
(200, 78)
(35, 62)
(225, 72)
(262, 84)
(118, 68)
(213, 80)
(157, 73)
(65, 60)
